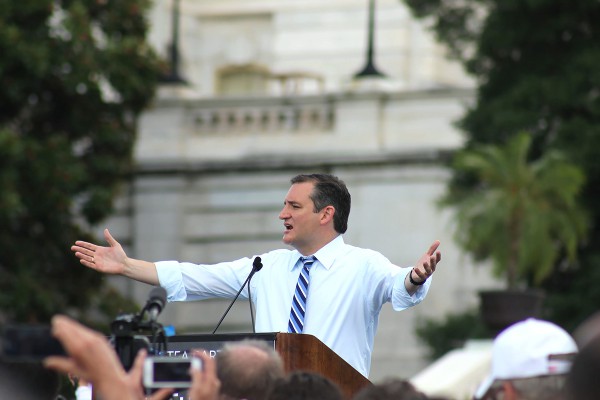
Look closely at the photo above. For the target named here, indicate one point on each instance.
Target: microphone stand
(256, 266)
(251, 309)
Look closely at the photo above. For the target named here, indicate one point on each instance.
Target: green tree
(75, 74)
(522, 215)
(536, 64)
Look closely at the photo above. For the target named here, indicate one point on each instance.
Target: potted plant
(523, 216)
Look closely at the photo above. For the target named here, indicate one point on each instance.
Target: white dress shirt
(348, 287)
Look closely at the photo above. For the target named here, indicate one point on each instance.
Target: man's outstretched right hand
(110, 260)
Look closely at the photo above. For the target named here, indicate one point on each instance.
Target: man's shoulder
(361, 255)
(355, 250)
(365, 264)
(280, 252)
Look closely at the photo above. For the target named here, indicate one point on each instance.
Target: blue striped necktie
(296, 323)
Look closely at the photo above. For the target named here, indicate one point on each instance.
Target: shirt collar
(325, 255)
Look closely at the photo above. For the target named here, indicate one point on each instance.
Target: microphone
(156, 302)
(256, 266)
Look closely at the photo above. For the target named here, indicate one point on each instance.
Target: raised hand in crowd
(205, 384)
(91, 357)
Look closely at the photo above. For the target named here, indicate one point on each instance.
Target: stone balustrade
(316, 116)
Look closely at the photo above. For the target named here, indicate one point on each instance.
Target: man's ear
(509, 390)
(327, 214)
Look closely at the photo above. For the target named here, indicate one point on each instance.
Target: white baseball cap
(528, 349)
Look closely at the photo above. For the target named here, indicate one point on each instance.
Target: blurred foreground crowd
(531, 360)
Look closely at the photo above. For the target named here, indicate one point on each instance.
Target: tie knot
(308, 261)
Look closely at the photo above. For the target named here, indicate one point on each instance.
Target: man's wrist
(414, 282)
(114, 388)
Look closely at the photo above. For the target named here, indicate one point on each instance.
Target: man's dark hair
(329, 191)
(390, 389)
(248, 375)
(302, 385)
(582, 380)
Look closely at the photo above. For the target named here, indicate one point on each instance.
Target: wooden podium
(298, 351)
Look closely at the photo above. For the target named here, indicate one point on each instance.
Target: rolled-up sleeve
(401, 299)
(170, 278)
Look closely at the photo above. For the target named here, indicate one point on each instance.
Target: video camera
(131, 332)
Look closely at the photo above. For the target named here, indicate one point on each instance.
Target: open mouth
(288, 227)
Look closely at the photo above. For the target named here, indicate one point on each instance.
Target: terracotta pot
(502, 308)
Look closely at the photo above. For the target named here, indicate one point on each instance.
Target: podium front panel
(181, 345)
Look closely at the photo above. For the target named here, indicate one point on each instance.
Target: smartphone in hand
(169, 372)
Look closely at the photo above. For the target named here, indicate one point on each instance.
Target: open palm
(107, 259)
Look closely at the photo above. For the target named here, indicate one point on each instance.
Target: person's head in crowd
(588, 330)
(304, 385)
(530, 360)
(390, 389)
(248, 369)
(583, 380)
(27, 381)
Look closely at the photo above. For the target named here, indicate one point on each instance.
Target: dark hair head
(391, 389)
(303, 385)
(329, 190)
(582, 380)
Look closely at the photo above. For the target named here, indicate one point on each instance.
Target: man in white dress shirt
(347, 285)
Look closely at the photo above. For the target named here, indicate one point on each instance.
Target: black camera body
(29, 343)
(130, 334)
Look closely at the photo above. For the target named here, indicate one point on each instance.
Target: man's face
(298, 216)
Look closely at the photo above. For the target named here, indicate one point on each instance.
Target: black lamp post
(173, 75)
(370, 70)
